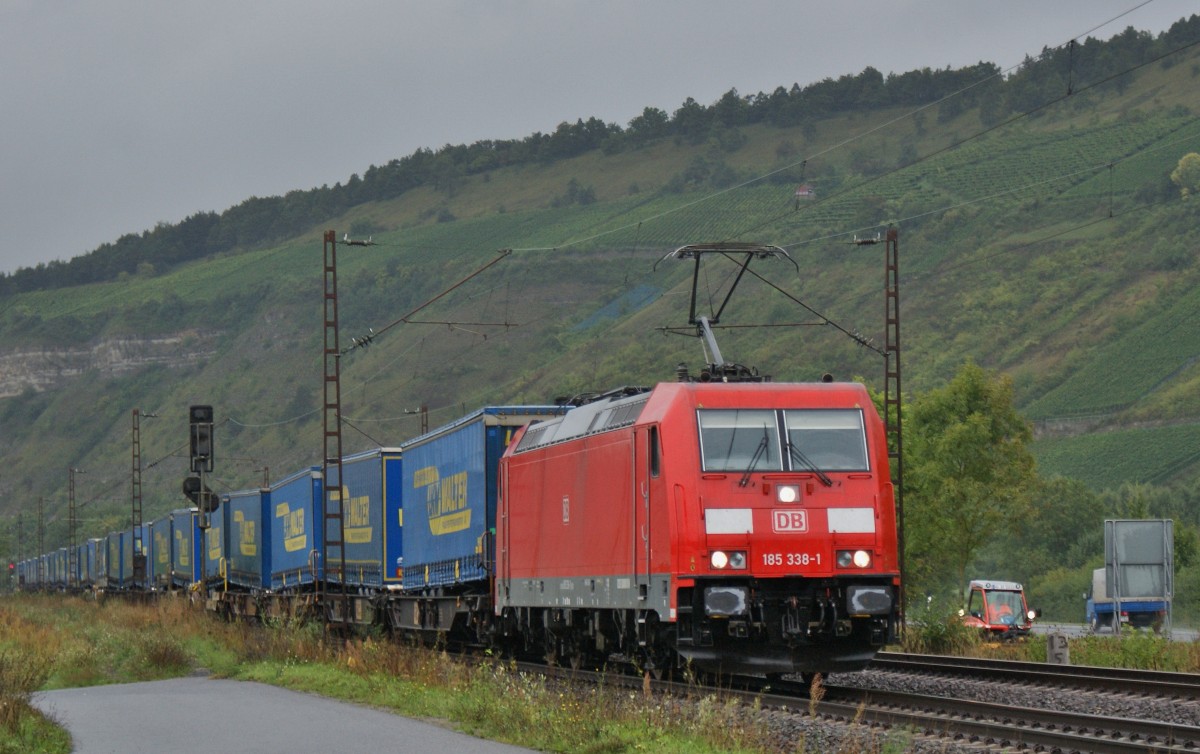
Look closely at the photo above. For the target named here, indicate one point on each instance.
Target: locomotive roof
(608, 412)
(622, 408)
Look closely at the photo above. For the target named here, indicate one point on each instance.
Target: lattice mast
(333, 548)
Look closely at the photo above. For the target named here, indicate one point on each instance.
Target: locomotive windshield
(751, 439)
(732, 440)
(833, 439)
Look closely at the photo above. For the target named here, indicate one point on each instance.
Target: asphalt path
(194, 715)
(1073, 630)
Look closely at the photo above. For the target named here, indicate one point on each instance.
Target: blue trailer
(246, 551)
(144, 580)
(59, 568)
(449, 483)
(127, 579)
(213, 542)
(295, 539)
(80, 574)
(372, 518)
(186, 555)
(159, 563)
(114, 544)
(87, 568)
(98, 560)
(25, 578)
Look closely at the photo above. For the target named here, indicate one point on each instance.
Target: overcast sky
(119, 114)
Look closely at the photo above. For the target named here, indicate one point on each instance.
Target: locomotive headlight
(721, 560)
(1031, 614)
(853, 559)
(788, 493)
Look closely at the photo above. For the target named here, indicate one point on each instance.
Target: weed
(21, 674)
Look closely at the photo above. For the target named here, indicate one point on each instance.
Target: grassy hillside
(1054, 249)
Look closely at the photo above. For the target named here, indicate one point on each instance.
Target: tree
(1186, 174)
(968, 477)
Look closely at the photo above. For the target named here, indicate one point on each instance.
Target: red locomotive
(744, 527)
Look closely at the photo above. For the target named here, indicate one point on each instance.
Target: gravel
(800, 732)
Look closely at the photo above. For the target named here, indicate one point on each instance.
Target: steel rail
(1158, 682)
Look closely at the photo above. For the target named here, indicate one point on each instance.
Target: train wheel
(553, 651)
(575, 658)
(662, 665)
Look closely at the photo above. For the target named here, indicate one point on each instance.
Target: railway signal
(200, 425)
(200, 419)
(200, 495)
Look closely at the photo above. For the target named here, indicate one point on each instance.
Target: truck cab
(998, 608)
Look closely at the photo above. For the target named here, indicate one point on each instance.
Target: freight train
(735, 526)
(724, 522)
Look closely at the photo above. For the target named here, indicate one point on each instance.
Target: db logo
(786, 521)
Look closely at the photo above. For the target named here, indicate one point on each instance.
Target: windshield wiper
(798, 456)
(758, 453)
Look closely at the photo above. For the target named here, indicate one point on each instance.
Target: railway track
(1156, 682)
(1049, 723)
(947, 722)
(1008, 726)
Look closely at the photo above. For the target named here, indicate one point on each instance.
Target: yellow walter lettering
(214, 543)
(246, 539)
(184, 544)
(447, 505)
(358, 518)
(453, 494)
(294, 536)
(425, 477)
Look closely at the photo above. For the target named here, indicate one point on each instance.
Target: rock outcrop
(44, 368)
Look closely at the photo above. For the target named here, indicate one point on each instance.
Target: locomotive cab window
(655, 457)
(739, 440)
(832, 439)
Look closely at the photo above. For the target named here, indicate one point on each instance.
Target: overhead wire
(979, 134)
(1109, 164)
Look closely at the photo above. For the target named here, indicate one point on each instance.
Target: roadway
(200, 715)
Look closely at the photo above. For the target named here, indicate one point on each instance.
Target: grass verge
(49, 642)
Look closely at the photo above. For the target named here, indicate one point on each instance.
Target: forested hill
(1047, 224)
(1095, 66)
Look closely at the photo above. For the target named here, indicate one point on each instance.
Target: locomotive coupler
(791, 622)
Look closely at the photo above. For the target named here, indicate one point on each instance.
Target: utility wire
(979, 134)
(995, 195)
(365, 341)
